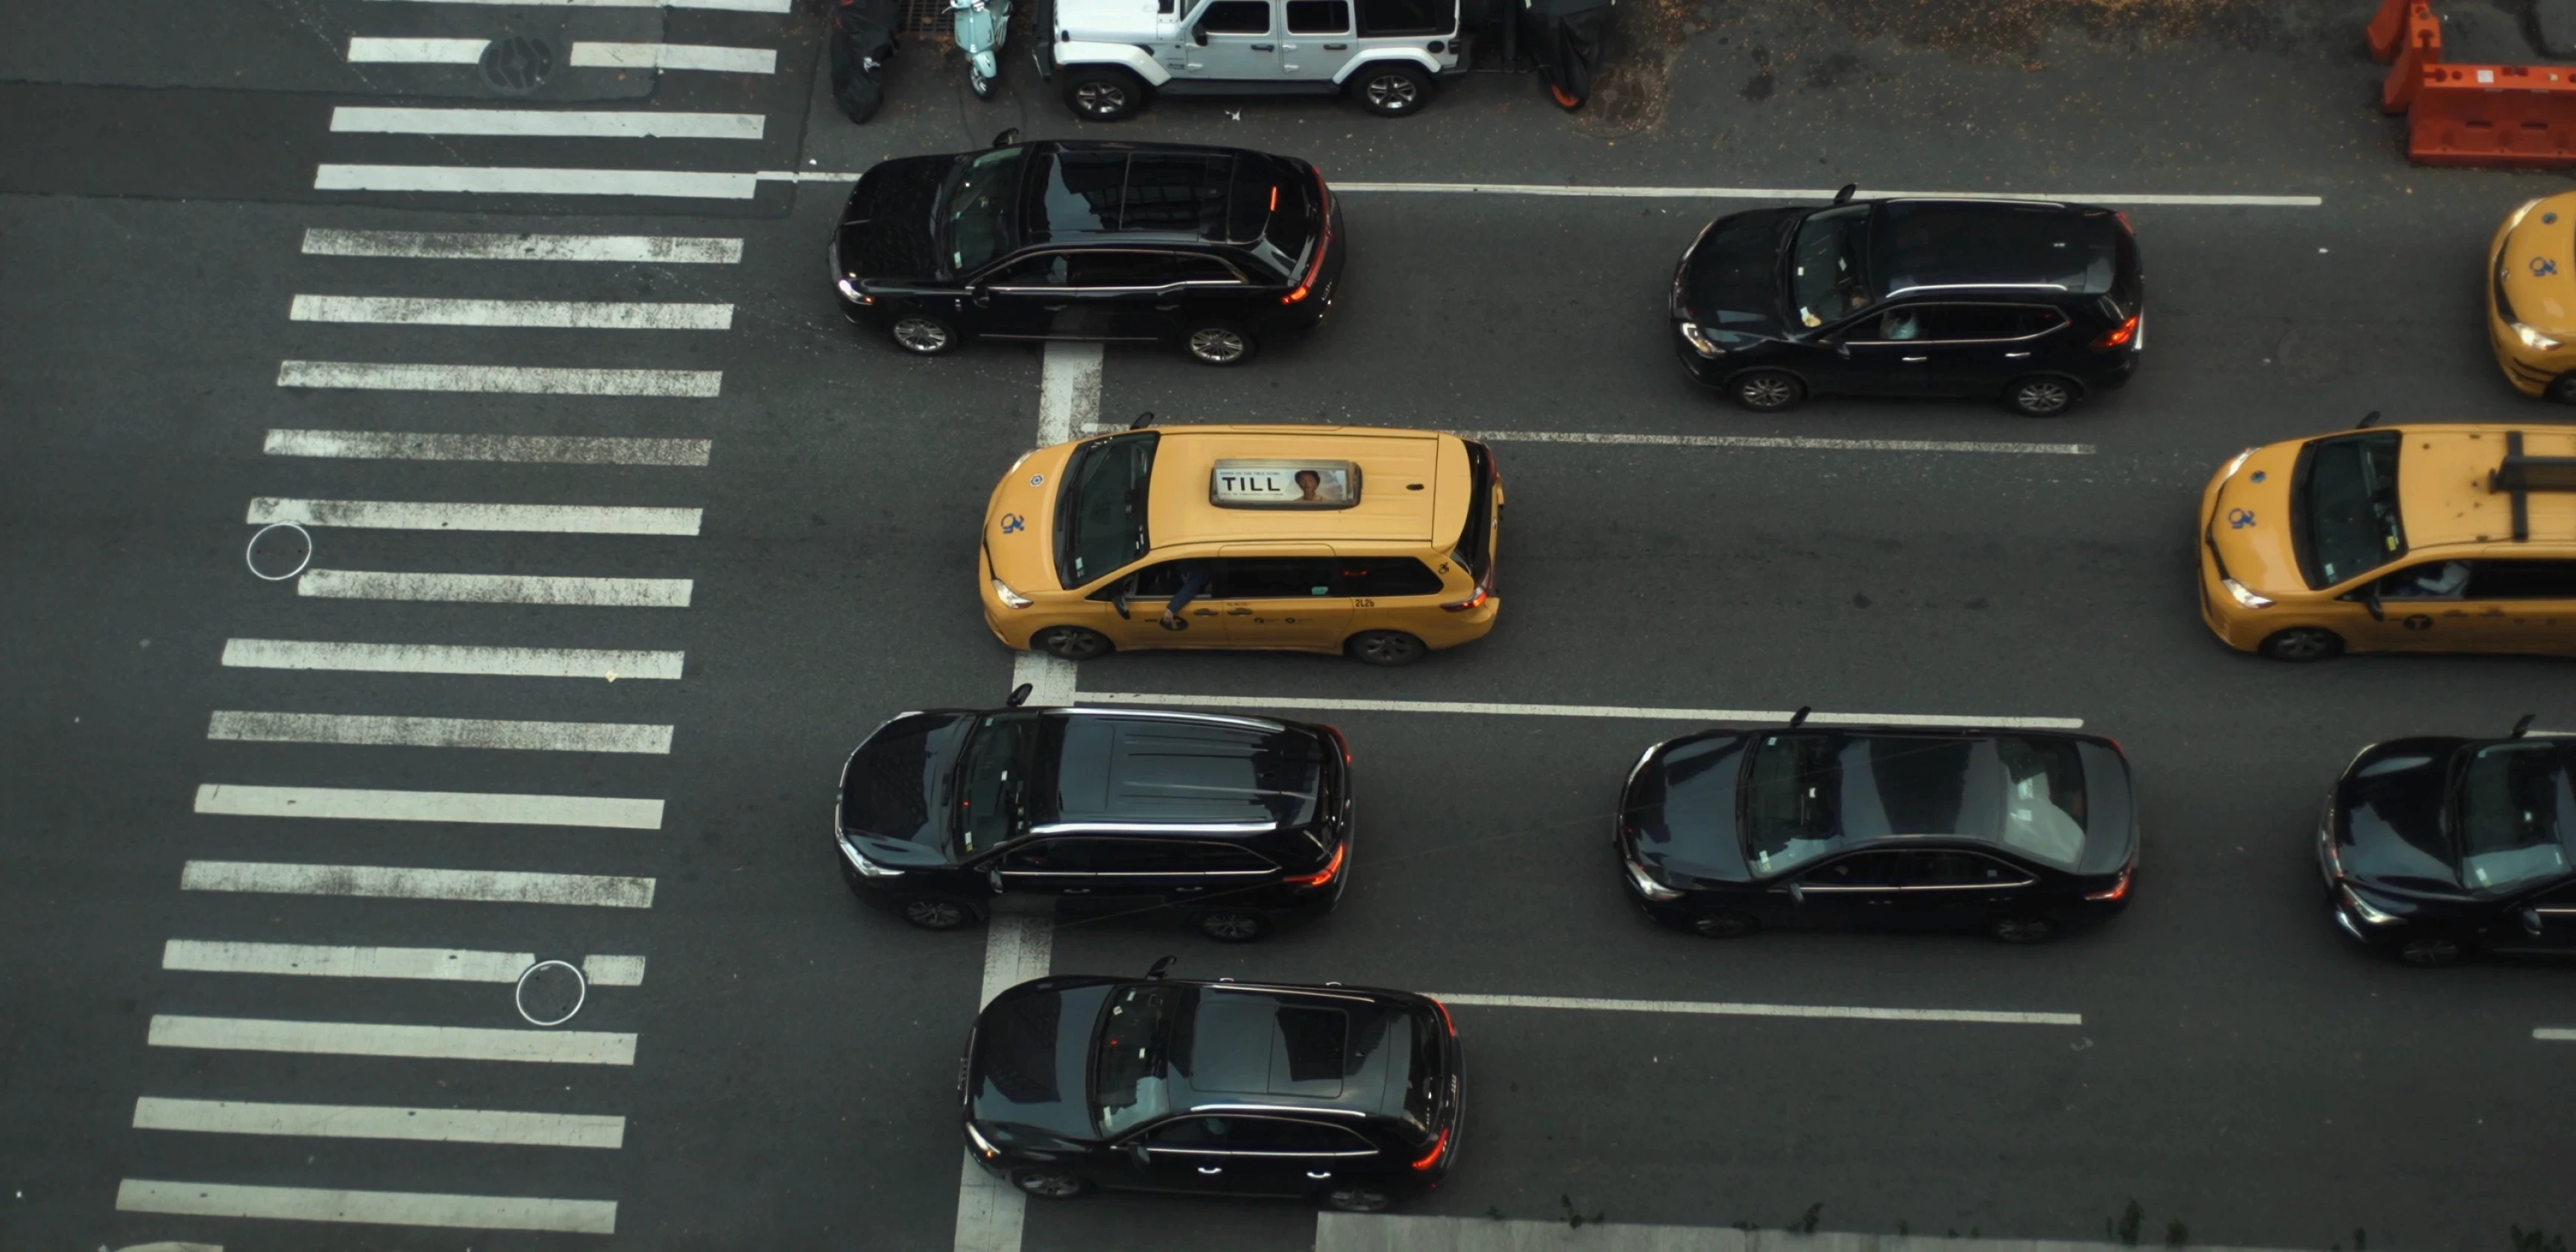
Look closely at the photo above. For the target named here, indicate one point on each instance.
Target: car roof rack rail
(2521, 474)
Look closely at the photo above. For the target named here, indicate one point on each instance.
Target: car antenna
(1142, 421)
(2367, 421)
(2522, 727)
(1159, 966)
(1020, 695)
(1799, 718)
(1844, 196)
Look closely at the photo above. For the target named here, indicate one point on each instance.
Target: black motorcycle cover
(1567, 39)
(862, 40)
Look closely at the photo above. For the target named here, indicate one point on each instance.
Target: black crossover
(2013, 833)
(1240, 822)
(1212, 247)
(1346, 1096)
(2433, 848)
(2031, 302)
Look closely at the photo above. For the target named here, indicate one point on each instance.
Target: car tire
(2561, 390)
(2430, 951)
(2019, 929)
(1767, 391)
(1233, 925)
(2041, 395)
(923, 335)
(1103, 93)
(935, 912)
(1049, 1185)
(1389, 648)
(1391, 88)
(1355, 1199)
(2302, 644)
(1221, 344)
(1072, 643)
(1723, 924)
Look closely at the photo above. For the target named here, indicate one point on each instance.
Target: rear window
(1476, 539)
(1934, 244)
(1275, 202)
(1117, 769)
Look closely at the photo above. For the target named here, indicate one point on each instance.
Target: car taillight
(1323, 241)
(2124, 223)
(1439, 1148)
(1340, 741)
(1484, 592)
(1321, 876)
(1444, 1017)
(2116, 891)
(2120, 334)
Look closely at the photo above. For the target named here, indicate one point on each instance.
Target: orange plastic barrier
(2386, 27)
(2507, 116)
(2421, 46)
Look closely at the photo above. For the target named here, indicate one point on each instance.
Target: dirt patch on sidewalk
(1636, 82)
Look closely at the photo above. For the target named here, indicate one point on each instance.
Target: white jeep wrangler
(1114, 55)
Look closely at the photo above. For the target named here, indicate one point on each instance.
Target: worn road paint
(363, 48)
(1755, 716)
(566, 519)
(1068, 391)
(547, 123)
(378, 1208)
(613, 971)
(630, 593)
(526, 180)
(439, 732)
(318, 961)
(441, 658)
(359, 1121)
(540, 314)
(453, 1043)
(1709, 1009)
(990, 1211)
(478, 807)
(386, 882)
(2553, 1034)
(534, 449)
(1762, 441)
(674, 56)
(507, 379)
(477, 246)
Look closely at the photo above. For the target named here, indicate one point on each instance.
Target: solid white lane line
(374, 1208)
(454, 1043)
(990, 1211)
(511, 379)
(2554, 1034)
(360, 1121)
(1068, 391)
(548, 123)
(613, 971)
(1755, 716)
(395, 445)
(386, 882)
(417, 51)
(1826, 193)
(544, 314)
(435, 658)
(528, 180)
(1762, 441)
(570, 519)
(1708, 1009)
(471, 246)
(636, 593)
(317, 961)
(674, 56)
(739, 6)
(440, 732)
(481, 807)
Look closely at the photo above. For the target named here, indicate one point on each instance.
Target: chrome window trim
(1974, 287)
(1209, 719)
(1145, 828)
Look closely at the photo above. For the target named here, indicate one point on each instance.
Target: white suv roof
(1093, 18)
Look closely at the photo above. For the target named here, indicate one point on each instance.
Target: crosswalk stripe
(546, 123)
(452, 1043)
(439, 732)
(208, 956)
(359, 1121)
(417, 51)
(375, 1208)
(613, 971)
(396, 445)
(674, 56)
(481, 807)
(537, 181)
(635, 593)
(542, 314)
(438, 658)
(568, 519)
(388, 882)
(511, 379)
(479, 246)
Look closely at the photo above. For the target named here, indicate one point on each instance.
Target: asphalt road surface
(278, 848)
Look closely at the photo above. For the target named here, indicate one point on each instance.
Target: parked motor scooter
(982, 25)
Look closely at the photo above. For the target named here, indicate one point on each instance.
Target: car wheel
(2302, 643)
(1073, 643)
(1233, 925)
(1355, 1200)
(937, 912)
(2562, 389)
(1220, 344)
(1104, 94)
(1385, 647)
(1391, 88)
(2040, 396)
(1767, 391)
(1048, 1186)
(1723, 924)
(2431, 951)
(923, 335)
(2021, 929)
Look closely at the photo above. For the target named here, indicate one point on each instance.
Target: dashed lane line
(379, 1208)
(439, 732)
(570, 519)
(508, 379)
(631, 593)
(369, 49)
(208, 956)
(673, 56)
(483, 246)
(389, 882)
(2554, 1034)
(359, 1121)
(476, 807)
(534, 181)
(536, 314)
(547, 123)
(1980, 1017)
(441, 658)
(397, 445)
(451, 1043)
(1638, 713)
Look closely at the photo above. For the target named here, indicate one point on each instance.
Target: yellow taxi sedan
(2531, 298)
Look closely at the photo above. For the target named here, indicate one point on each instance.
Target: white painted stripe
(310, 960)
(417, 51)
(374, 1208)
(546, 123)
(512, 379)
(534, 181)
(740, 6)
(991, 1212)
(395, 445)
(1761, 441)
(674, 56)
(613, 971)
(2554, 1034)
(1756, 716)
(467, 246)
(359, 1121)
(564, 519)
(436, 658)
(1050, 679)
(453, 1043)
(633, 593)
(440, 732)
(1068, 391)
(546, 314)
(481, 807)
(1819, 193)
(1709, 1009)
(385, 882)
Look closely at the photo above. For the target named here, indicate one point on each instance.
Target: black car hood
(1031, 1061)
(1682, 808)
(1730, 280)
(893, 792)
(2388, 818)
(885, 231)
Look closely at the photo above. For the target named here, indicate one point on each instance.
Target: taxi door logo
(2543, 267)
(1013, 523)
(2239, 519)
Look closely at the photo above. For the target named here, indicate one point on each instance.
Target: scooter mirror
(1007, 138)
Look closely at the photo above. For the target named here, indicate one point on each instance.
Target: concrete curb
(1347, 1232)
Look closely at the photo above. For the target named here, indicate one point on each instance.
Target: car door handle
(1915, 360)
(1319, 1174)
(1238, 612)
(1336, 47)
(1166, 308)
(1211, 1169)
(1059, 308)
(1261, 47)
(2015, 356)
(1205, 612)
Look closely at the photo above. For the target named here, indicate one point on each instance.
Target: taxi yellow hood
(2249, 521)
(1019, 521)
(2536, 268)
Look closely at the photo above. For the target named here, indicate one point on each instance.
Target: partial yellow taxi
(2396, 539)
(1375, 543)
(2531, 298)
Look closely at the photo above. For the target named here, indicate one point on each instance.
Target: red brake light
(1323, 238)
(2124, 223)
(1324, 875)
(2118, 890)
(1484, 592)
(1444, 1017)
(1340, 741)
(1439, 1148)
(2120, 334)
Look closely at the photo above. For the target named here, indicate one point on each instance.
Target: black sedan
(1345, 1096)
(2017, 834)
(2436, 847)
(1215, 248)
(2035, 303)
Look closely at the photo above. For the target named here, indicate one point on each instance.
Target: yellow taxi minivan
(2398, 539)
(1374, 543)
(2531, 298)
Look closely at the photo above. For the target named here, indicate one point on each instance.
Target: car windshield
(1809, 793)
(2517, 812)
(994, 780)
(2348, 524)
(1827, 276)
(1129, 1074)
(977, 217)
(1100, 516)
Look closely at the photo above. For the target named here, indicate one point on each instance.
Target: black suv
(1213, 247)
(1347, 1096)
(2031, 302)
(1241, 822)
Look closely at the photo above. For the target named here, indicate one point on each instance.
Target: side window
(1388, 576)
(1275, 578)
(1405, 17)
(1866, 871)
(2032, 320)
(2426, 580)
(1193, 1134)
(1193, 267)
(1236, 17)
(1054, 856)
(1048, 270)
(2523, 580)
(1900, 325)
(1154, 582)
(1957, 869)
(1282, 1136)
(1972, 321)
(1319, 17)
(1121, 268)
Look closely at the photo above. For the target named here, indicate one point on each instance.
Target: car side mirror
(1797, 893)
(1119, 602)
(1842, 349)
(2531, 921)
(994, 876)
(1198, 34)
(2370, 601)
